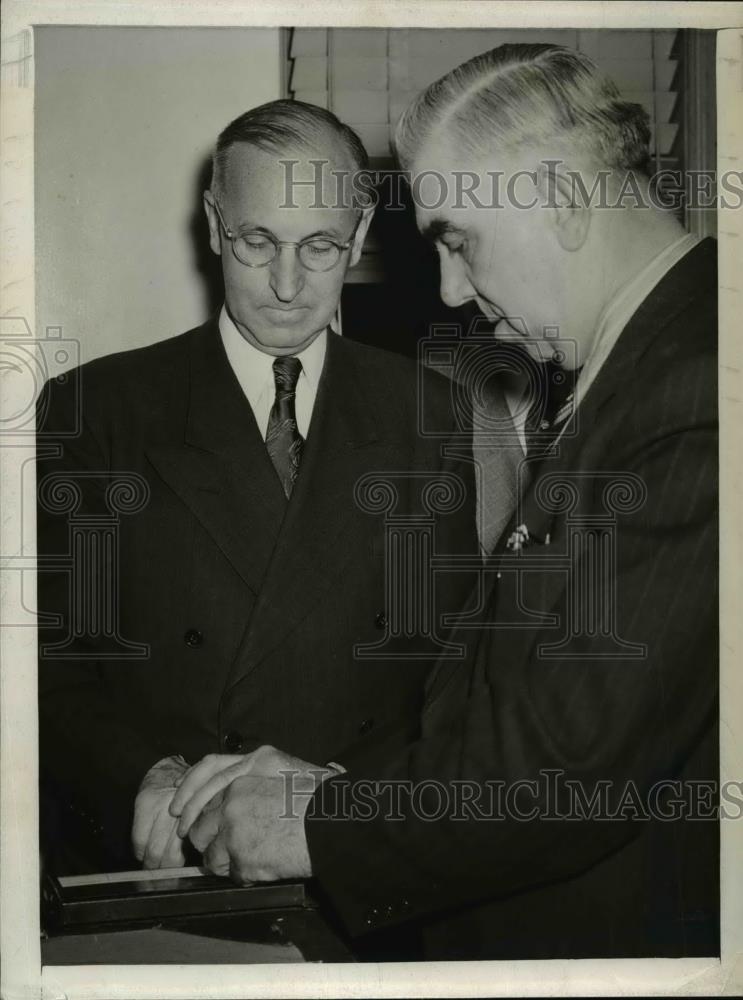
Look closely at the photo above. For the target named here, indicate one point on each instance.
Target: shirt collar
(254, 368)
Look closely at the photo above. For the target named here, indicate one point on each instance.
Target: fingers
(144, 818)
(198, 775)
(219, 861)
(162, 829)
(165, 773)
(216, 858)
(239, 874)
(205, 829)
(214, 803)
(205, 794)
(173, 856)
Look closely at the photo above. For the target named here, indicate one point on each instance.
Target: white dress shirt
(254, 371)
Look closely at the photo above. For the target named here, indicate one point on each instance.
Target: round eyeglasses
(258, 248)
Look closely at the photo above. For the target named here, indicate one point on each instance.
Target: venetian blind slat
(367, 76)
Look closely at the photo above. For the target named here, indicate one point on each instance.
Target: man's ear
(571, 218)
(358, 240)
(213, 219)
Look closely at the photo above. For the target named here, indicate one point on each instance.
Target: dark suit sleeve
(92, 756)
(384, 856)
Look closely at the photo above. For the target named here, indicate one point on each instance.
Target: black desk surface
(183, 919)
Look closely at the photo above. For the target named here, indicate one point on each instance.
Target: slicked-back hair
(283, 126)
(516, 96)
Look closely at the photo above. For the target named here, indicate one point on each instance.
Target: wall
(125, 119)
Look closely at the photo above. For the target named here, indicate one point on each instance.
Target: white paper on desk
(139, 875)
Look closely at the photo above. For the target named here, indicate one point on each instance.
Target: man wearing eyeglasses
(252, 573)
(563, 799)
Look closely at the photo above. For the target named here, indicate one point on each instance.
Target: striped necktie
(283, 440)
(551, 408)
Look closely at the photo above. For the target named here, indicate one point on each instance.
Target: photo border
(19, 864)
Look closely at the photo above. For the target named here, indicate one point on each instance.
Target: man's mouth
(491, 313)
(285, 314)
(503, 330)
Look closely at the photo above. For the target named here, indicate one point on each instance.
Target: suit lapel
(321, 516)
(691, 277)
(482, 604)
(222, 471)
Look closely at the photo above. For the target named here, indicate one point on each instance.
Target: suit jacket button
(233, 741)
(366, 726)
(380, 620)
(372, 916)
(193, 638)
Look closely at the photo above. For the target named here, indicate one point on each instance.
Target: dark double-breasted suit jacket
(625, 708)
(246, 609)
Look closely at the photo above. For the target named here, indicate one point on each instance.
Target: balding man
(252, 572)
(560, 802)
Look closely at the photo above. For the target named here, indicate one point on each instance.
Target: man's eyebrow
(438, 228)
(331, 233)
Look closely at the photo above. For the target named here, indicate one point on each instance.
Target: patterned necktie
(552, 406)
(283, 440)
(497, 460)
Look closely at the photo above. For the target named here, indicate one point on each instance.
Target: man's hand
(216, 771)
(254, 829)
(154, 831)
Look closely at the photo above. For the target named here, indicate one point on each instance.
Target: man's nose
(455, 287)
(286, 274)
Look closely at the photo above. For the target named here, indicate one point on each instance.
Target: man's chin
(281, 339)
(539, 351)
(507, 334)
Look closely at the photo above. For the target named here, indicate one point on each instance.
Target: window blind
(367, 76)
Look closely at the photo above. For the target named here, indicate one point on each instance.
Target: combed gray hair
(517, 96)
